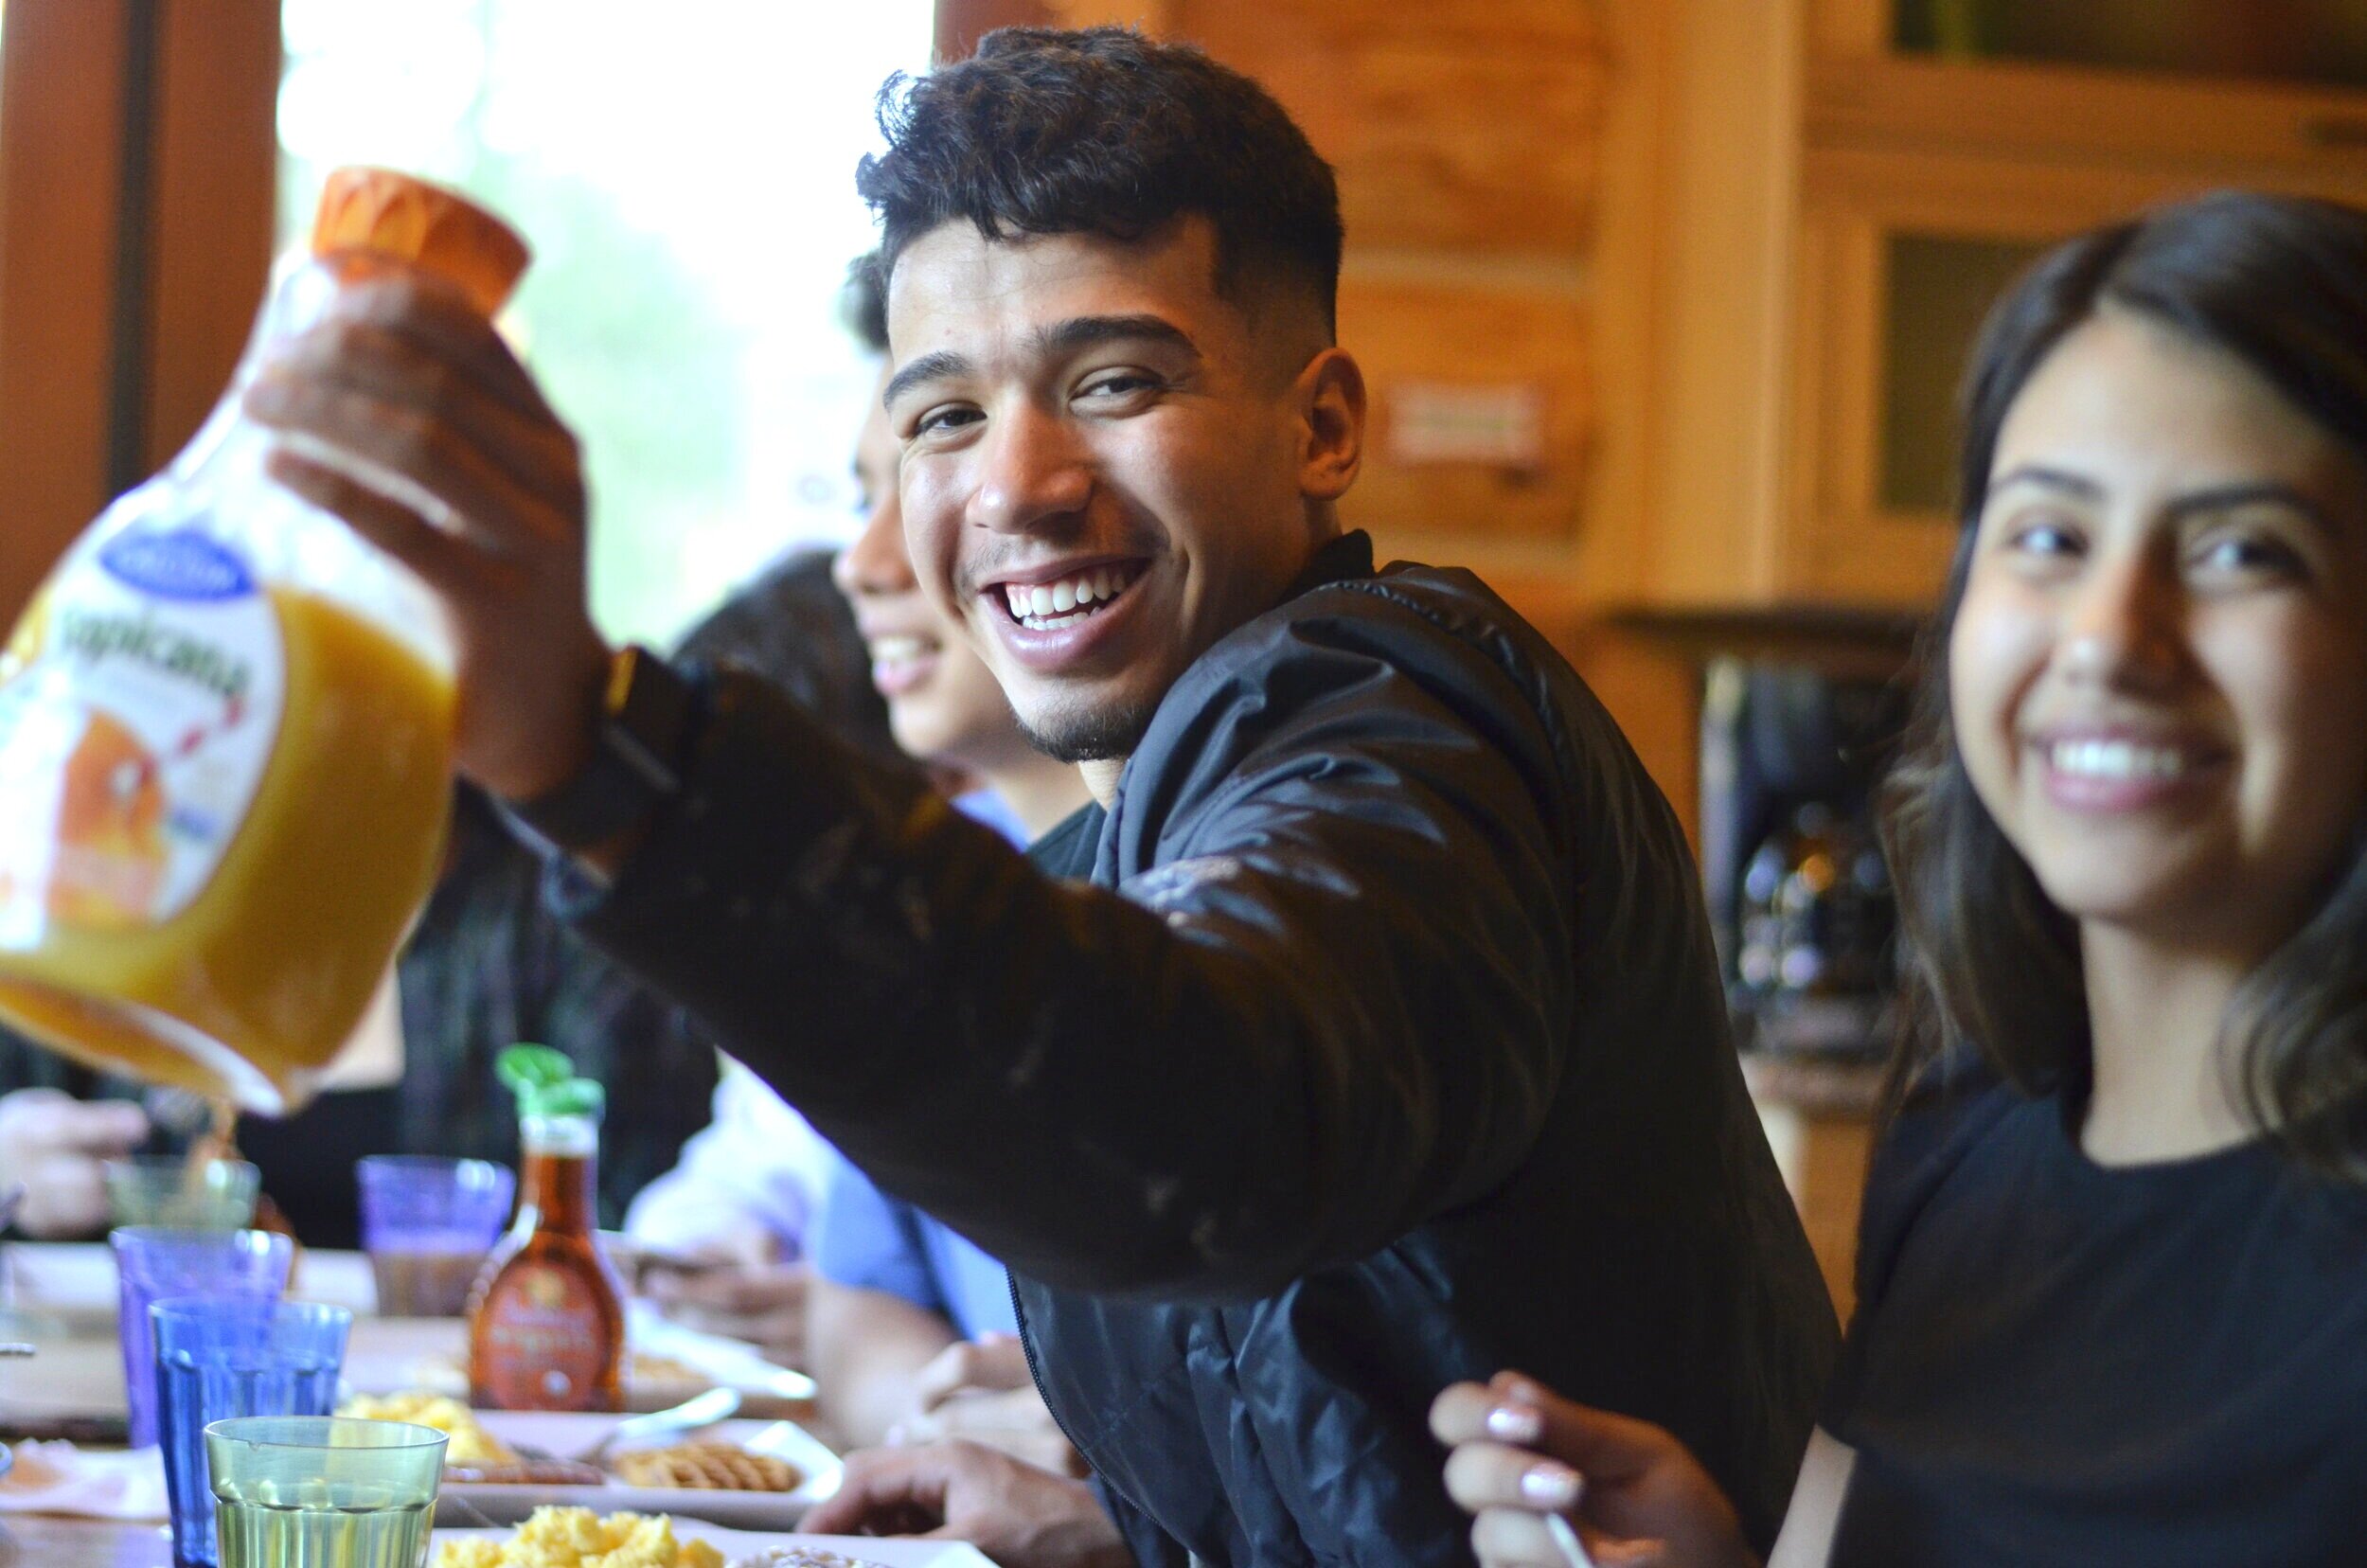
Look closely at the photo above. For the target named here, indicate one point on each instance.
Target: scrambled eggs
(578, 1538)
(470, 1443)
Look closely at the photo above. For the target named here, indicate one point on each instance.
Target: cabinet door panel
(1900, 257)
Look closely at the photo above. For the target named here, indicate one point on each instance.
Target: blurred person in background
(907, 1326)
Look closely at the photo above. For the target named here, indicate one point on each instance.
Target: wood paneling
(209, 232)
(1462, 333)
(1460, 124)
(61, 161)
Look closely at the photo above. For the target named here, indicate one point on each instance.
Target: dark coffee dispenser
(1799, 895)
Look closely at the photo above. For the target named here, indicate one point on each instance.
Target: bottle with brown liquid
(546, 1320)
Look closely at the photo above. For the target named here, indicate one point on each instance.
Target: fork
(716, 1404)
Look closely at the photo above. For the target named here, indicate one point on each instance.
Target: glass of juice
(217, 1358)
(152, 1263)
(323, 1491)
(427, 1224)
(183, 1194)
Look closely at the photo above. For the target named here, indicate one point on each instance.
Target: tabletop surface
(35, 1541)
(62, 1298)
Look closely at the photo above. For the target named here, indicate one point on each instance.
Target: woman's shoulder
(1945, 1109)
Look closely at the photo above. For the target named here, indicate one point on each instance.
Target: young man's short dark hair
(1022, 139)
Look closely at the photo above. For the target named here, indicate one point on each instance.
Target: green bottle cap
(545, 1083)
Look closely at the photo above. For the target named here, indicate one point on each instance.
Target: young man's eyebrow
(942, 365)
(1081, 333)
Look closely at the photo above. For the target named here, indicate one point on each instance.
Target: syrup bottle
(546, 1318)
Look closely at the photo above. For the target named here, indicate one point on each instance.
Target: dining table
(58, 1298)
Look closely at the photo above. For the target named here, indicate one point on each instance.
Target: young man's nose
(1032, 470)
(2126, 625)
(877, 561)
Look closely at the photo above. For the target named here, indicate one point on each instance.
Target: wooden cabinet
(1836, 206)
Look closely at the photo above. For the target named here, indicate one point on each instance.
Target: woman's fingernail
(1516, 1424)
(1550, 1486)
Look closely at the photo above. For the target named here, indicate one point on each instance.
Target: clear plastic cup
(323, 1491)
(216, 1358)
(427, 1224)
(153, 1264)
(174, 1191)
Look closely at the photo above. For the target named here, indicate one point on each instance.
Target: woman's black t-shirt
(2055, 1361)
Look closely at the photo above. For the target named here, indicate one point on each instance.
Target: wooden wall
(136, 157)
(1495, 166)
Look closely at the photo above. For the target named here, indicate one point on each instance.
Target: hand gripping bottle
(225, 730)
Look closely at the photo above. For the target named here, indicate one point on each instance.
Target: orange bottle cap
(383, 213)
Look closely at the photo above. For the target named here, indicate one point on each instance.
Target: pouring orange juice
(225, 733)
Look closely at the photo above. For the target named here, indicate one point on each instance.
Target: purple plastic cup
(152, 1263)
(427, 1224)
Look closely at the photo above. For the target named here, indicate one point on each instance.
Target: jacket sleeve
(1334, 1006)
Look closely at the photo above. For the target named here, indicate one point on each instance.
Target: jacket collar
(1335, 561)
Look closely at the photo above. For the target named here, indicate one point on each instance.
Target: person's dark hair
(1992, 965)
(791, 627)
(862, 302)
(1101, 130)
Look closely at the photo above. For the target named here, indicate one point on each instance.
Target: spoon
(715, 1405)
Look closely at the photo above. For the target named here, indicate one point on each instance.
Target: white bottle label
(136, 724)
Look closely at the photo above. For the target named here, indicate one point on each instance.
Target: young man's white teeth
(1085, 589)
(1040, 601)
(1063, 598)
(1018, 597)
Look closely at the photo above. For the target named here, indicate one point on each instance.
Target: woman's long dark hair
(1992, 966)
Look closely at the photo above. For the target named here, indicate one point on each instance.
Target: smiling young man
(1366, 1036)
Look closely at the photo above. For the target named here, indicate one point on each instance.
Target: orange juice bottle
(225, 731)
(546, 1318)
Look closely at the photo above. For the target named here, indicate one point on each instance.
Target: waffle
(707, 1467)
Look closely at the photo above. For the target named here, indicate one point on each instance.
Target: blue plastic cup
(153, 1264)
(427, 1224)
(223, 1357)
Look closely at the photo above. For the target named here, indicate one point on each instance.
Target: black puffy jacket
(1386, 1048)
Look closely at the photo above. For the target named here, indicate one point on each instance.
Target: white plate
(723, 1363)
(564, 1433)
(398, 1355)
(734, 1545)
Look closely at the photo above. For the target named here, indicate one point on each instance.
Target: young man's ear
(1331, 424)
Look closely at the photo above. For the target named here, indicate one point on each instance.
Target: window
(686, 176)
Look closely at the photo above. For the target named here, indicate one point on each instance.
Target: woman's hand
(1639, 1499)
(982, 1390)
(58, 1145)
(764, 1303)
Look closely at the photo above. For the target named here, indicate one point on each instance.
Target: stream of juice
(252, 988)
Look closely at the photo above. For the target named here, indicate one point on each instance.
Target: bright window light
(685, 175)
